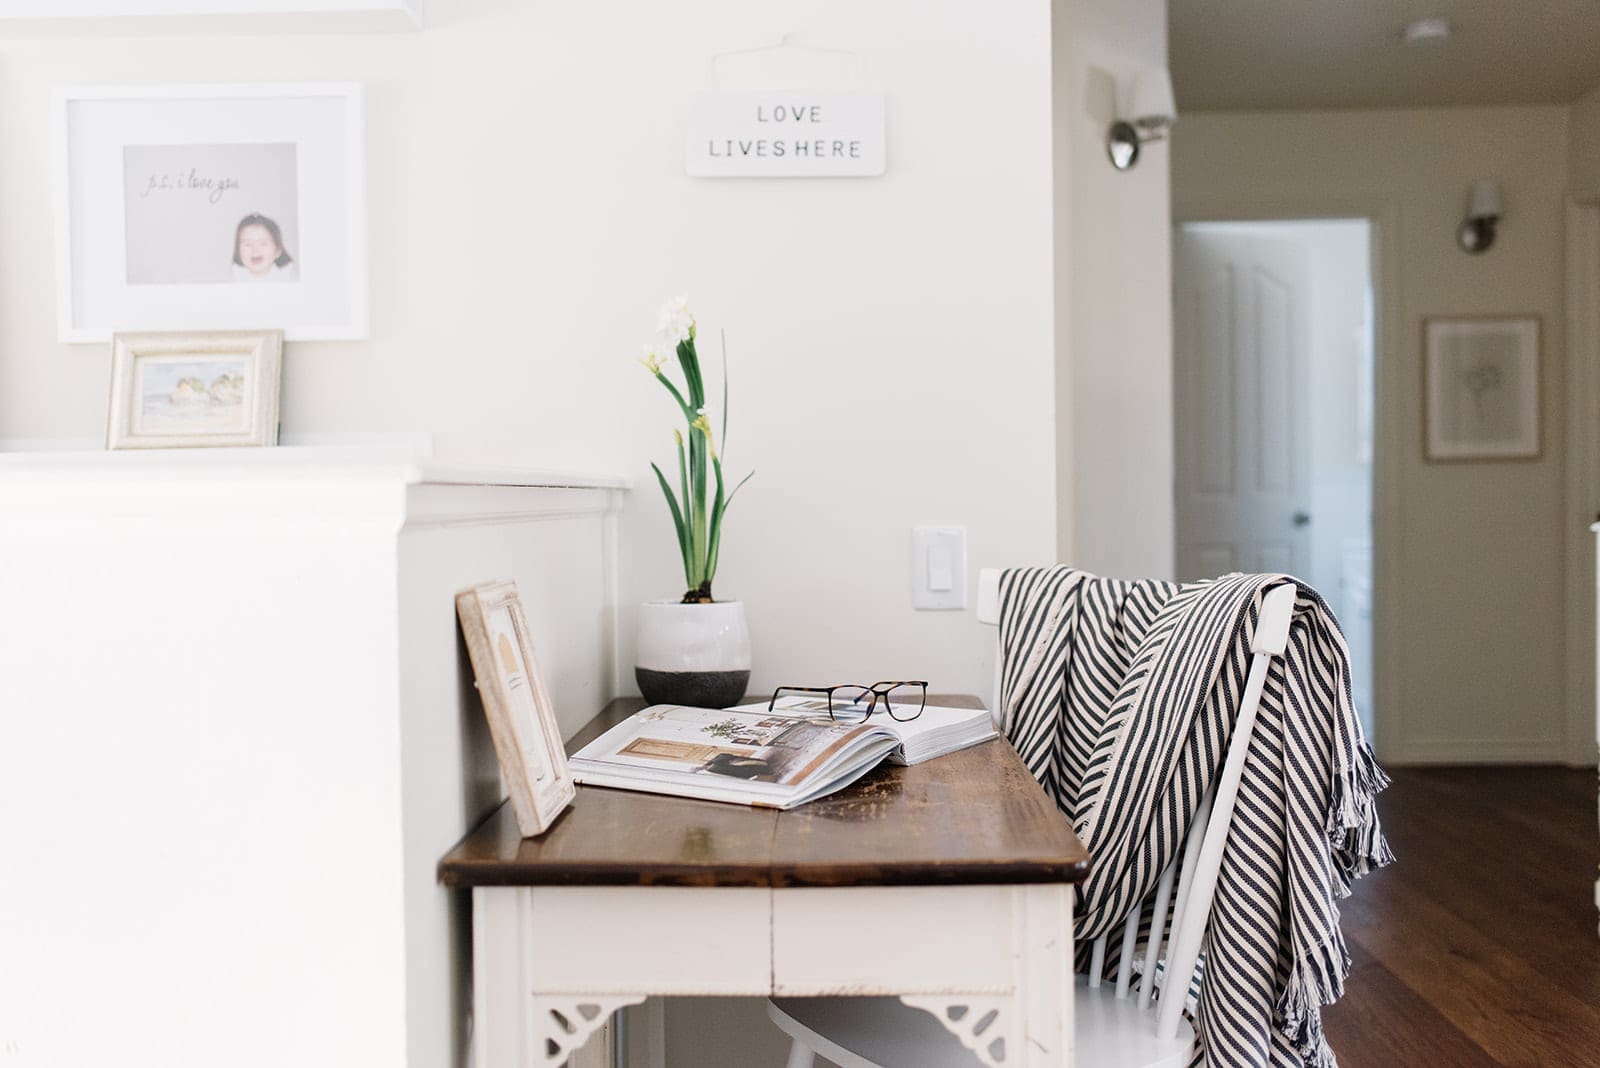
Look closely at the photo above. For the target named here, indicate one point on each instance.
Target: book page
(933, 717)
(754, 747)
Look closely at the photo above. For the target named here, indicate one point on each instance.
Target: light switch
(939, 568)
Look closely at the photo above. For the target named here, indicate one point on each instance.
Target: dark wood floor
(1479, 946)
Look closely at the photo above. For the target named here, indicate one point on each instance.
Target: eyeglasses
(852, 703)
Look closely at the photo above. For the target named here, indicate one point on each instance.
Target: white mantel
(237, 731)
(79, 17)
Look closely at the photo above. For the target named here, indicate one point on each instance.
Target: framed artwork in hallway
(1481, 388)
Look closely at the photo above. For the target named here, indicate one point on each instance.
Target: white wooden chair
(1114, 1026)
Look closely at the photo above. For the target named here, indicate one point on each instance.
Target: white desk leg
(1046, 975)
(502, 1018)
(1037, 1018)
(512, 1027)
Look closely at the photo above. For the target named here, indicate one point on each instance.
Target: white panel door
(1240, 350)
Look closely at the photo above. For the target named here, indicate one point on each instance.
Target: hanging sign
(785, 135)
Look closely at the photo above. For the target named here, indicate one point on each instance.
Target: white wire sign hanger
(786, 132)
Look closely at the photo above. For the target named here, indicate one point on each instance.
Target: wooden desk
(948, 885)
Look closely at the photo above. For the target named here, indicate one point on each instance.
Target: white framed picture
(1481, 388)
(211, 207)
(194, 389)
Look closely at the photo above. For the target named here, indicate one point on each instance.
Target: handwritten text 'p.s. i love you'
(190, 181)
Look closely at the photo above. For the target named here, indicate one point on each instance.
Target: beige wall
(1583, 408)
(1469, 555)
(1584, 161)
(1113, 300)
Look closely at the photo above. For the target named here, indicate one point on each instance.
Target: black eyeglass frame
(880, 689)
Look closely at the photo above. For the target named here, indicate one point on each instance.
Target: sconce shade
(1477, 231)
(1484, 202)
(1153, 106)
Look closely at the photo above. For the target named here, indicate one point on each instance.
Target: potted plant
(695, 650)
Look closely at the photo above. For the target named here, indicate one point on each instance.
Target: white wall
(890, 338)
(1113, 299)
(1469, 568)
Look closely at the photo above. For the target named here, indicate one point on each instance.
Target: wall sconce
(1152, 112)
(1476, 232)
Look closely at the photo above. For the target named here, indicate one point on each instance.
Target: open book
(776, 759)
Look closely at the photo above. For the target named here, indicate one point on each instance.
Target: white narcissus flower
(676, 323)
(651, 361)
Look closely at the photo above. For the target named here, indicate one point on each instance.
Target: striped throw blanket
(1120, 697)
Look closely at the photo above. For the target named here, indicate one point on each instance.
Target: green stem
(689, 360)
(699, 520)
(688, 413)
(688, 538)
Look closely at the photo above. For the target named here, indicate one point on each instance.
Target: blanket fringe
(1353, 829)
(1315, 980)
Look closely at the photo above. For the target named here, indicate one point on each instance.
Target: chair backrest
(1208, 832)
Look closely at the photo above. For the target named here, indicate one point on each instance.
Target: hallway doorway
(1273, 394)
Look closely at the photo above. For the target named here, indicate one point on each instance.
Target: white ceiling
(1246, 54)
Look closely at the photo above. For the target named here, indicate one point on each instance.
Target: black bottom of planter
(698, 689)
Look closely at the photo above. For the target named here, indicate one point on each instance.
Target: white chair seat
(1108, 1032)
(1115, 1032)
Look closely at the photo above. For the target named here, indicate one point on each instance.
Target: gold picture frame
(522, 720)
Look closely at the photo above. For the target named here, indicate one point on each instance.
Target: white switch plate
(938, 568)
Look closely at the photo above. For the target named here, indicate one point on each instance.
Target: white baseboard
(1481, 751)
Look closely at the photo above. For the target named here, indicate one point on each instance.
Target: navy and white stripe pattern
(1120, 697)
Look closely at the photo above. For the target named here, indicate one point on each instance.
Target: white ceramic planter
(693, 654)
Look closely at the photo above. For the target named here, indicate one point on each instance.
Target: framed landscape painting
(210, 207)
(194, 389)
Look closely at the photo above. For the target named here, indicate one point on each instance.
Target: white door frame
(1582, 468)
(1388, 526)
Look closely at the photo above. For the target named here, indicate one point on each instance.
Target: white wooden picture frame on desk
(522, 720)
(158, 186)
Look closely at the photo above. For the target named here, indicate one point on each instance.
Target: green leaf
(724, 394)
(689, 563)
(739, 487)
(714, 542)
(677, 520)
(721, 510)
